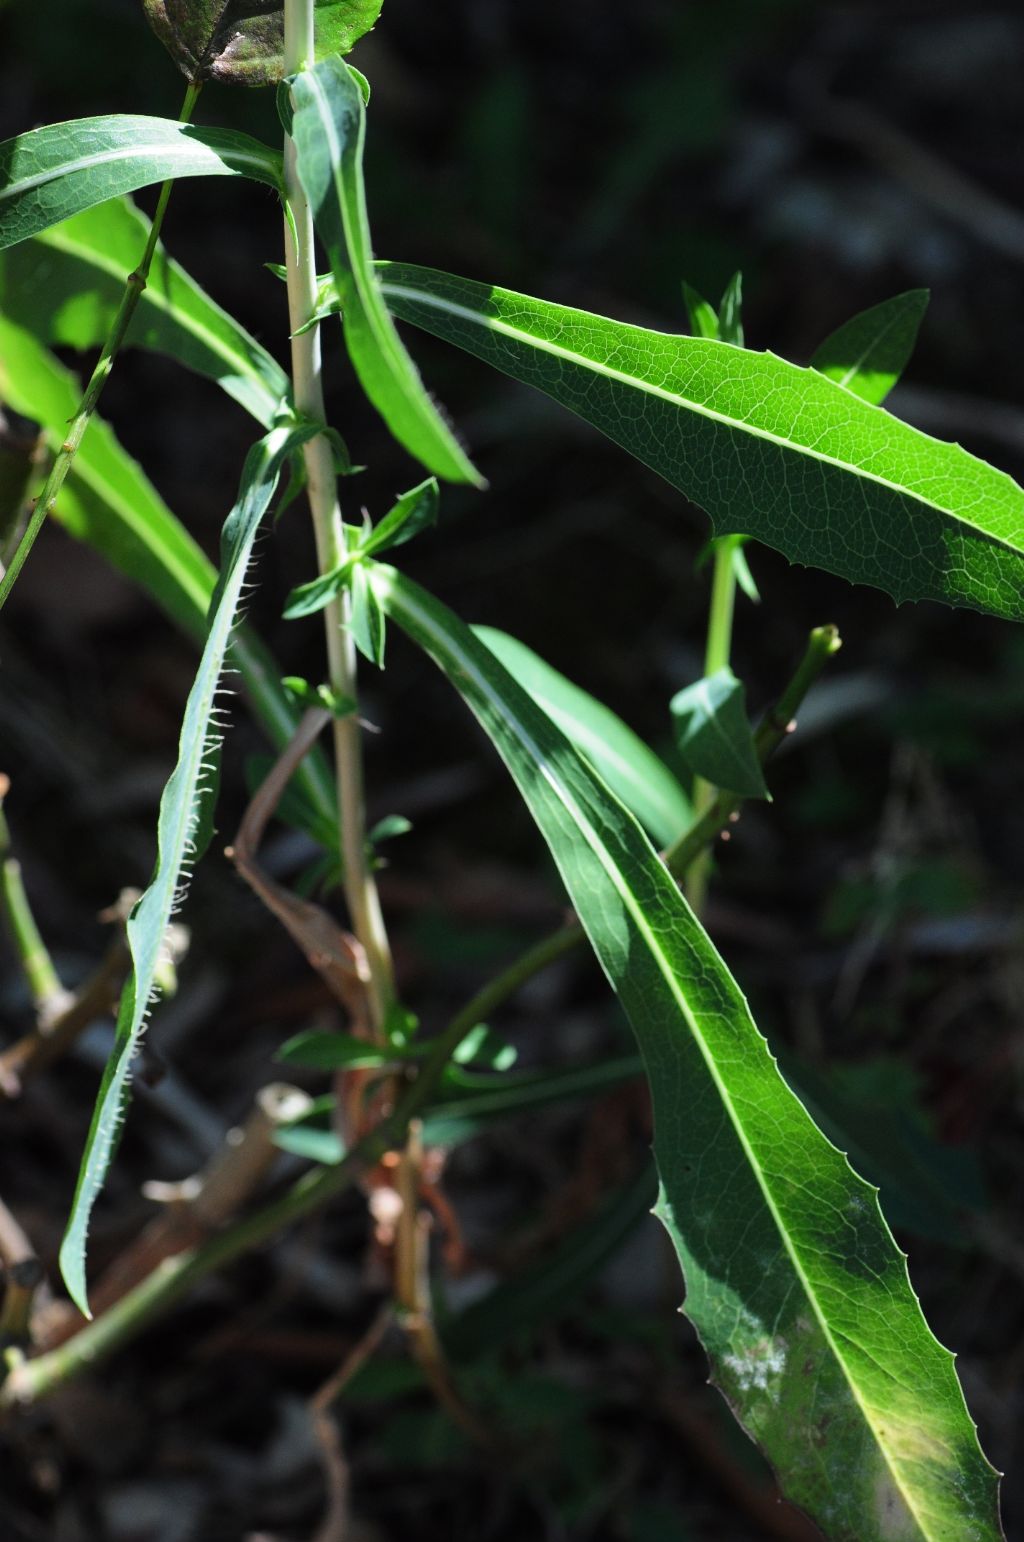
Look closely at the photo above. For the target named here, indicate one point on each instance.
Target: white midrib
(597, 367)
(190, 149)
(445, 643)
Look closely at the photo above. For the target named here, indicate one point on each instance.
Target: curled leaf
(241, 42)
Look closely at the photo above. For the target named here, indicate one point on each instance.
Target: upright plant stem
(360, 888)
(134, 286)
(716, 657)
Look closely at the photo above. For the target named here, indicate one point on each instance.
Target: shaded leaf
(241, 42)
(52, 173)
(66, 285)
(634, 773)
(108, 502)
(713, 734)
(319, 1051)
(869, 353)
(765, 447)
(329, 128)
(176, 834)
(793, 1281)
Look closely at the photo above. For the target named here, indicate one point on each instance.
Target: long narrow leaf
(176, 839)
(634, 773)
(793, 1281)
(765, 447)
(108, 502)
(329, 128)
(65, 287)
(51, 173)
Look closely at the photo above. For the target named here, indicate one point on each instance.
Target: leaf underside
(177, 831)
(767, 448)
(793, 1281)
(241, 42)
(51, 173)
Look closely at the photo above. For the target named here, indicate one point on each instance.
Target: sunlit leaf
(765, 447)
(51, 173)
(869, 353)
(65, 287)
(329, 128)
(793, 1281)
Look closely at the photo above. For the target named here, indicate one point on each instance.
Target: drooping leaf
(713, 734)
(241, 42)
(869, 353)
(108, 502)
(634, 773)
(52, 173)
(329, 128)
(66, 285)
(793, 1281)
(176, 839)
(765, 447)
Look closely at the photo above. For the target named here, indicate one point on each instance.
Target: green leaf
(51, 173)
(109, 503)
(306, 599)
(869, 353)
(634, 773)
(241, 42)
(703, 320)
(366, 622)
(388, 829)
(321, 696)
(176, 834)
(329, 129)
(548, 1289)
(414, 512)
(713, 734)
(730, 323)
(66, 285)
(332, 1052)
(766, 448)
(793, 1281)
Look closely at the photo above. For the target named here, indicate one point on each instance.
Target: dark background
(593, 154)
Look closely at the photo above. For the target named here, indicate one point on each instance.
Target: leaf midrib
(559, 351)
(564, 796)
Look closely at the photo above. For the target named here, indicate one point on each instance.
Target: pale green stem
(134, 286)
(42, 977)
(360, 889)
(716, 657)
